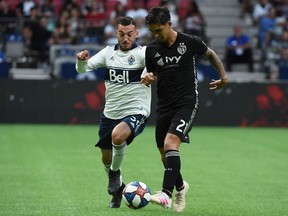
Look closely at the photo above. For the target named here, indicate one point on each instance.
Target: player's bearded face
(126, 36)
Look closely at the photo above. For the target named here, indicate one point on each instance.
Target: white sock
(118, 155)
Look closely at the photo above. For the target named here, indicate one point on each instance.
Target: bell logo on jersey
(116, 76)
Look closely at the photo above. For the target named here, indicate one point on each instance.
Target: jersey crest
(181, 48)
(131, 60)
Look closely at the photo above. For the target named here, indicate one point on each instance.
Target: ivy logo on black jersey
(181, 48)
(131, 60)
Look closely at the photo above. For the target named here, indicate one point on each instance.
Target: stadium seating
(14, 47)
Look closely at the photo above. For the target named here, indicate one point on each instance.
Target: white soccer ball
(136, 195)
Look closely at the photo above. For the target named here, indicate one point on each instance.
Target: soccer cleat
(116, 198)
(179, 201)
(114, 182)
(162, 199)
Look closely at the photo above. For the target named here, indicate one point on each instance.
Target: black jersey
(175, 68)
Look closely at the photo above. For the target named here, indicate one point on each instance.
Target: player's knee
(118, 138)
(171, 142)
(169, 146)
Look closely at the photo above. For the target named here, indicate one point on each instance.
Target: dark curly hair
(126, 21)
(158, 15)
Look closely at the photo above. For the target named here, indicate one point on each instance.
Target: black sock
(172, 171)
(179, 183)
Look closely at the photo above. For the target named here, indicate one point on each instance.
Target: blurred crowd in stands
(270, 17)
(39, 24)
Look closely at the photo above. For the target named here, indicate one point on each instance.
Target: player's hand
(148, 78)
(83, 55)
(217, 84)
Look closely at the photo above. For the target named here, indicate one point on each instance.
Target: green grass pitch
(56, 170)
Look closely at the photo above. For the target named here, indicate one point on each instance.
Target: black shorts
(135, 122)
(178, 122)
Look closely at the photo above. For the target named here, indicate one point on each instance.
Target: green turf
(55, 170)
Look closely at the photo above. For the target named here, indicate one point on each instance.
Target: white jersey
(125, 95)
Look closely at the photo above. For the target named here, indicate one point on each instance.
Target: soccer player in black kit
(170, 59)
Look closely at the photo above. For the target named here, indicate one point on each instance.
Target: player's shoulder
(109, 47)
(192, 40)
(106, 49)
(140, 48)
(188, 37)
(154, 44)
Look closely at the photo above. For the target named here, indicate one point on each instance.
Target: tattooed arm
(217, 64)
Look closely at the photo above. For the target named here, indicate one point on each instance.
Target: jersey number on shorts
(181, 127)
(136, 123)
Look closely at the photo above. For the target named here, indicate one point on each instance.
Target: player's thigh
(120, 133)
(136, 123)
(162, 125)
(106, 127)
(181, 123)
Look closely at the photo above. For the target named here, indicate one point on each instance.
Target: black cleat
(116, 199)
(114, 182)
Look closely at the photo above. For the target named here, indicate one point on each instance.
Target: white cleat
(162, 199)
(179, 201)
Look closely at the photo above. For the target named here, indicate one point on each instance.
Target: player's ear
(137, 33)
(169, 23)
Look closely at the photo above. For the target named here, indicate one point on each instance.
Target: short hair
(126, 20)
(158, 15)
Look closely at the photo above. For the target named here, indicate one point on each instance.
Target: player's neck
(172, 37)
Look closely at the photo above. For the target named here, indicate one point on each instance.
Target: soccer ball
(136, 195)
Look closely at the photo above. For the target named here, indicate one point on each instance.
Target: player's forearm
(217, 64)
(219, 67)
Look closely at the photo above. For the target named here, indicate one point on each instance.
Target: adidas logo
(157, 55)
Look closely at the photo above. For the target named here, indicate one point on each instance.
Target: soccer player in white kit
(127, 101)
